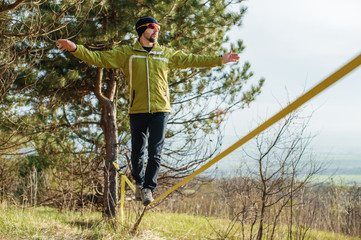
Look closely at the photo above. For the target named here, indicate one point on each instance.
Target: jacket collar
(157, 50)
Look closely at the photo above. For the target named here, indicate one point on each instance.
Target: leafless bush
(8, 178)
(338, 208)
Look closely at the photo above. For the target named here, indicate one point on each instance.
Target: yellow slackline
(123, 180)
(354, 63)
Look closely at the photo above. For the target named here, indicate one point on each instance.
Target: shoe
(138, 193)
(147, 196)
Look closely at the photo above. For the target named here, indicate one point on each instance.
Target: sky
(295, 45)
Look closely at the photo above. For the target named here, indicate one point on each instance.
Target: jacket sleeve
(108, 59)
(180, 59)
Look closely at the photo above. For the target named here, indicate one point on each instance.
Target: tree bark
(109, 126)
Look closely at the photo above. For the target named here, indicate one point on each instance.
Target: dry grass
(48, 223)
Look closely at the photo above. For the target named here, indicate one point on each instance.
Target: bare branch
(4, 7)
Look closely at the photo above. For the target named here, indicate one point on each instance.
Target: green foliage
(39, 163)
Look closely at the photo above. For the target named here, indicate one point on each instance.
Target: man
(146, 66)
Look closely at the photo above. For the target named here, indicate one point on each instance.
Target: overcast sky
(295, 45)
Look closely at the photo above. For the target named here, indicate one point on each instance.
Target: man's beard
(152, 39)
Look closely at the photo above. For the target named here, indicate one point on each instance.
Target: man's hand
(65, 44)
(230, 57)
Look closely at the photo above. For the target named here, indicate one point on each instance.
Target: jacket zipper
(147, 63)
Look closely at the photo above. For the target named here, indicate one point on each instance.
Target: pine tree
(89, 106)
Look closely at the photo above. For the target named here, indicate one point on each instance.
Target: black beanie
(143, 20)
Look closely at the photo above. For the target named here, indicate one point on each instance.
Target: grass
(48, 223)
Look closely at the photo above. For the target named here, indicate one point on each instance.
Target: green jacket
(146, 73)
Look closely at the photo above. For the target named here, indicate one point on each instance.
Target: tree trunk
(262, 216)
(109, 126)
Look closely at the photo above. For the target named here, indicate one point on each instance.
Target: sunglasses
(150, 25)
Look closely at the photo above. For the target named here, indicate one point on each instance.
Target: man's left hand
(230, 57)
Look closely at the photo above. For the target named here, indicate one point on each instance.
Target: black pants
(153, 126)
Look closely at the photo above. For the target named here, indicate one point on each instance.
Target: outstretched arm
(108, 59)
(181, 60)
(230, 57)
(65, 44)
